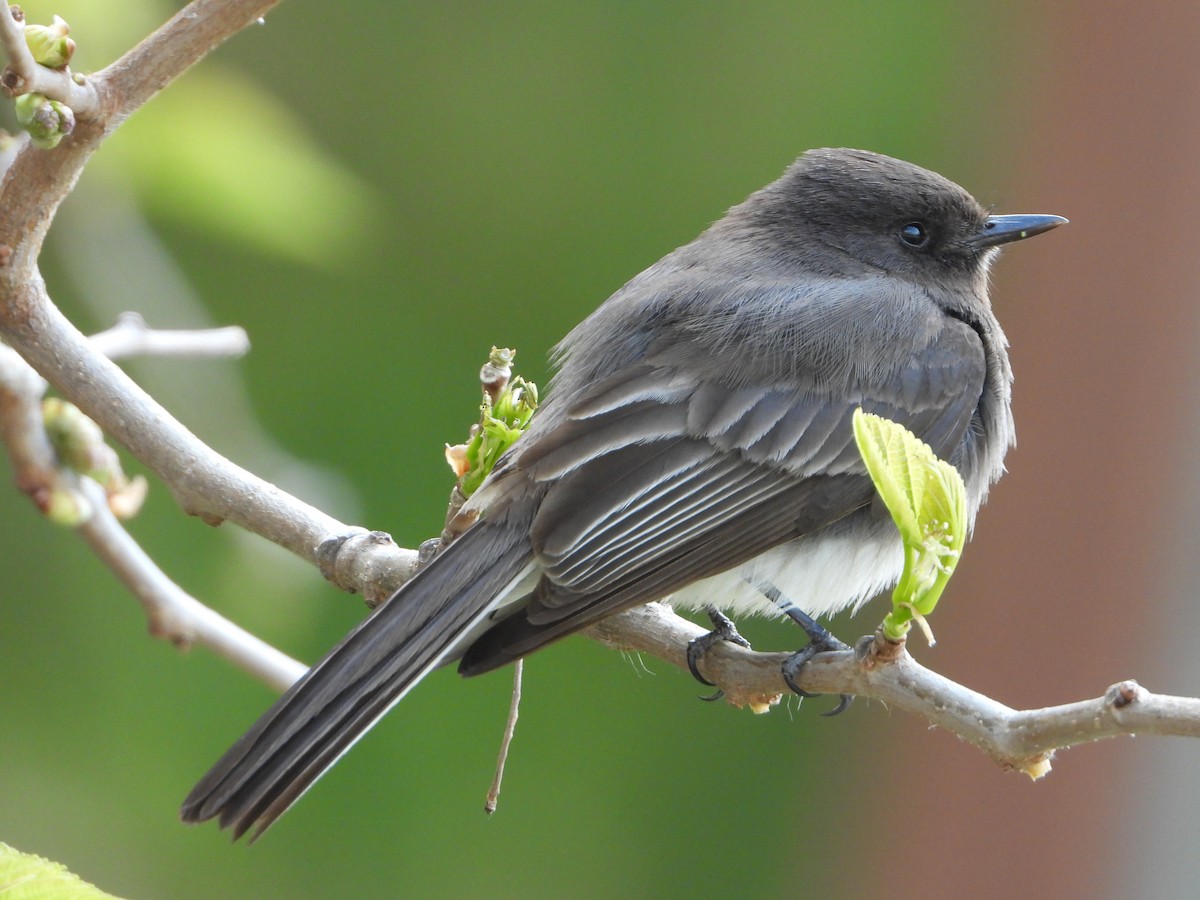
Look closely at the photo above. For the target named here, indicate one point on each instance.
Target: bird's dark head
(846, 210)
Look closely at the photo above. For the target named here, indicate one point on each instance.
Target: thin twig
(510, 728)
(173, 614)
(131, 336)
(21, 431)
(203, 482)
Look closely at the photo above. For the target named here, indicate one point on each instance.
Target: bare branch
(189, 36)
(24, 75)
(203, 483)
(510, 729)
(131, 336)
(173, 614)
(1023, 740)
(21, 430)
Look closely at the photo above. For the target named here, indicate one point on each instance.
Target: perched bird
(696, 445)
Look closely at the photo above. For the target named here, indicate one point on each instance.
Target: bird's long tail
(426, 623)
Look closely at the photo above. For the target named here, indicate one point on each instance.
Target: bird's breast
(839, 567)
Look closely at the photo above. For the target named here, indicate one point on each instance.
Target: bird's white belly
(821, 574)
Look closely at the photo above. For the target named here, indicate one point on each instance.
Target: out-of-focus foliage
(242, 167)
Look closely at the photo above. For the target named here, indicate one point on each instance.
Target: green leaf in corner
(24, 876)
(927, 500)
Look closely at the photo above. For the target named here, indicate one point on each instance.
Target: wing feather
(654, 481)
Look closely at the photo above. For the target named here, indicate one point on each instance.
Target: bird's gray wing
(656, 479)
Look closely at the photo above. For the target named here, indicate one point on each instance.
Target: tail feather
(427, 622)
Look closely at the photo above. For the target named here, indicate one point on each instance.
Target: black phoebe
(696, 445)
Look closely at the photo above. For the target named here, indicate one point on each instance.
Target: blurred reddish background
(1085, 560)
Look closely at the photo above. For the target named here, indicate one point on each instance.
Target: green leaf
(927, 499)
(24, 876)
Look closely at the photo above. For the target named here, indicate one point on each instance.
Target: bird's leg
(819, 641)
(723, 630)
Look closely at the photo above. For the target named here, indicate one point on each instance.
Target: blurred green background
(378, 192)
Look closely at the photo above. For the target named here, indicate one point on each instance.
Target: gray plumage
(696, 444)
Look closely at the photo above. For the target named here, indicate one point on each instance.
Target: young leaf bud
(49, 44)
(47, 121)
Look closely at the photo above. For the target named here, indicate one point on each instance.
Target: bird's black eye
(914, 234)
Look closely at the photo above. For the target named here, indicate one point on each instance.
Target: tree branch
(39, 180)
(203, 483)
(131, 336)
(173, 614)
(1023, 740)
(189, 36)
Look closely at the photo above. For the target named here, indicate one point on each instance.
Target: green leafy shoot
(508, 405)
(927, 500)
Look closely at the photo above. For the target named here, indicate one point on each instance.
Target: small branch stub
(1122, 695)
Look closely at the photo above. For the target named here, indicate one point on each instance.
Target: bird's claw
(820, 641)
(723, 630)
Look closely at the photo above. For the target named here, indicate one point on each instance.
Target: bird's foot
(723, 630)
(819, 641)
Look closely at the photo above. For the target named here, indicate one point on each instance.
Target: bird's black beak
(1003, 229)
